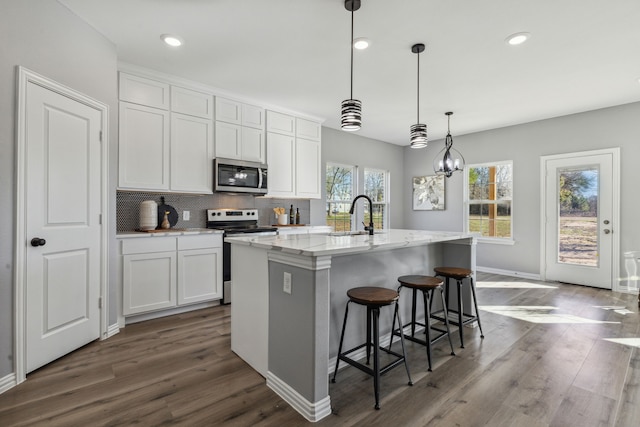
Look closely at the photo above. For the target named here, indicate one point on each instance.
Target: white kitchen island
(289, 295)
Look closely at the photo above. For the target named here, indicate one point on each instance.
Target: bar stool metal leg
(475, 304)
(446, 321)
(344, 325)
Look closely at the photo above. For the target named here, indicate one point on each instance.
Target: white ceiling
(582, 55)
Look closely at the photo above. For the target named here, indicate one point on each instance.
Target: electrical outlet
(186, 215)
(287, 283)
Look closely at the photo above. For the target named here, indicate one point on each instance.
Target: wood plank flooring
(553, 355)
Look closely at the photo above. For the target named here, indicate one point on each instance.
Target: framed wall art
(428, 193)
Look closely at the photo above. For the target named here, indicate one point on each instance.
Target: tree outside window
(376, 187)
(489, 197)
(340, 191)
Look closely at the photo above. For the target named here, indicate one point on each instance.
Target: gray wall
(47, 38)
(351, 149)
(524, 145)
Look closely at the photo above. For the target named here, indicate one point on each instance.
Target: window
(340, 184)
(489, 195)
(376, 186)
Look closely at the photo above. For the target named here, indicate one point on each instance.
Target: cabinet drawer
(140, 90)
(281, 123)
(199, 242)
(148, 245)
(187, 101)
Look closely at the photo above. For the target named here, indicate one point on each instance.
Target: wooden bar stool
(427, 285)
(459, 274)
(373, 298)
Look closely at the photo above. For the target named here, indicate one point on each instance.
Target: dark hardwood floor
(553, 355)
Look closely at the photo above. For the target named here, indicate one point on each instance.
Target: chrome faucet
(353, 205)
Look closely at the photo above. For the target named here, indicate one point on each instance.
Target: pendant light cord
(418, 92)
(351, 93)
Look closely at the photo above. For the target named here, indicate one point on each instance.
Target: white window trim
(465, 205)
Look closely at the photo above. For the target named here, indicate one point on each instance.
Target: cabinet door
(187, 101)
(199, 275)
(307, 168)
(228, 111)
(281, 161)
(143, 91)
(191, 154)
(228, 140)
(253, 146)
(307, 129)
(149, 282)
(143, 148)
(281, 123)
(252, 116)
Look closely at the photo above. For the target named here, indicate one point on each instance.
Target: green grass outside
(341, 221)
(480, 225)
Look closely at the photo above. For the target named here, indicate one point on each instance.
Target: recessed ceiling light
(517, 38)
(361, 43)
(171, 40)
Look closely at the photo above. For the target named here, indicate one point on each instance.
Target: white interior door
(62, 206)
(579, 218)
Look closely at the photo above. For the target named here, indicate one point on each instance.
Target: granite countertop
(169, 232)
(337, 244)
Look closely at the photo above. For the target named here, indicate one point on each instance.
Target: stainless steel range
(234, 222)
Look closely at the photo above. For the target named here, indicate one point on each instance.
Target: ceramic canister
(148, 215)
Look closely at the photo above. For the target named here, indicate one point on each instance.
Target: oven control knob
(219, 213)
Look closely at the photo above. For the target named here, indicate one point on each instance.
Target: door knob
(607, 231)
(37, 241)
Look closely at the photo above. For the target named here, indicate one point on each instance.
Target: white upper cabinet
(281, 123)
(293, 156)
(308, 168)
(253, 116)
(307, 129)
(191, 102)
(191, 154)
(281, 163)
(228, 111)
(164, 146)
(239, 131)
(143, 91)
(143, 153)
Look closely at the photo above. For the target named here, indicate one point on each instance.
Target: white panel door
(63, 207)
(228, 140)
(579, 215)
(148, 282)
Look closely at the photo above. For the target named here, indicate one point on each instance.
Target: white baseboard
(162, 313)
(7, 382)
(311, 411)
(509, 273)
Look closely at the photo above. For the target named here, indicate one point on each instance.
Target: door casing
(24, 77)
(615, 209)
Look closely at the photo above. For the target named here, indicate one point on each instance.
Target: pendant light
(419, 130)
(448, 160)
(351, 109)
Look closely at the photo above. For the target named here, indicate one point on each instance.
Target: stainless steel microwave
(238, 176)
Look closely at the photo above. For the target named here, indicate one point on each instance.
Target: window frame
(466, 204)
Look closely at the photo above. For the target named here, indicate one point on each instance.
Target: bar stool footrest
(366, 369)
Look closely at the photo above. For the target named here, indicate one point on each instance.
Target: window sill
(496, 241)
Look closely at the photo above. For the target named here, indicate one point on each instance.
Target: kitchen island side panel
(298, 329)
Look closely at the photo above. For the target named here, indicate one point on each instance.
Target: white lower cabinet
(198, 270)
(165, 272)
